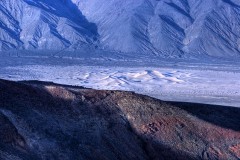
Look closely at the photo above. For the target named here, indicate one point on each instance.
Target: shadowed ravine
(42, 120)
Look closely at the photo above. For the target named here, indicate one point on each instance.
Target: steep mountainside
(169, 28)
(49, 121)
(44, 25)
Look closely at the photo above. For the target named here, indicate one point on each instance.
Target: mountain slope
(44, 25)
(41, 120)
(169, 28)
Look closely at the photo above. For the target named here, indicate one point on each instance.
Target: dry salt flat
(191, 85)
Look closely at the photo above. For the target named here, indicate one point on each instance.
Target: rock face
(44, 25)
(168, 28)
(41, 120)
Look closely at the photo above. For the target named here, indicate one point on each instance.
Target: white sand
(202, 86)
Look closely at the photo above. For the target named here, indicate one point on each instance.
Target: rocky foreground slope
(40, 120)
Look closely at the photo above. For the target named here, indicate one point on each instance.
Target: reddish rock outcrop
(41, 120)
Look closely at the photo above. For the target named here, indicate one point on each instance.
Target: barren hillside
(41, 120)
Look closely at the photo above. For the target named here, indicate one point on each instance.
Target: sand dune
(196, 85)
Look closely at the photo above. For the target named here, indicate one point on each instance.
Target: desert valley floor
(211, 83)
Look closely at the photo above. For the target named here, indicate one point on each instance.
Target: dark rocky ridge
(41, 120)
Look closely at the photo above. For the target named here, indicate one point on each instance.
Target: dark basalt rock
(42, 120)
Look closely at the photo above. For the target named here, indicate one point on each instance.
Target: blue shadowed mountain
(167, 28)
